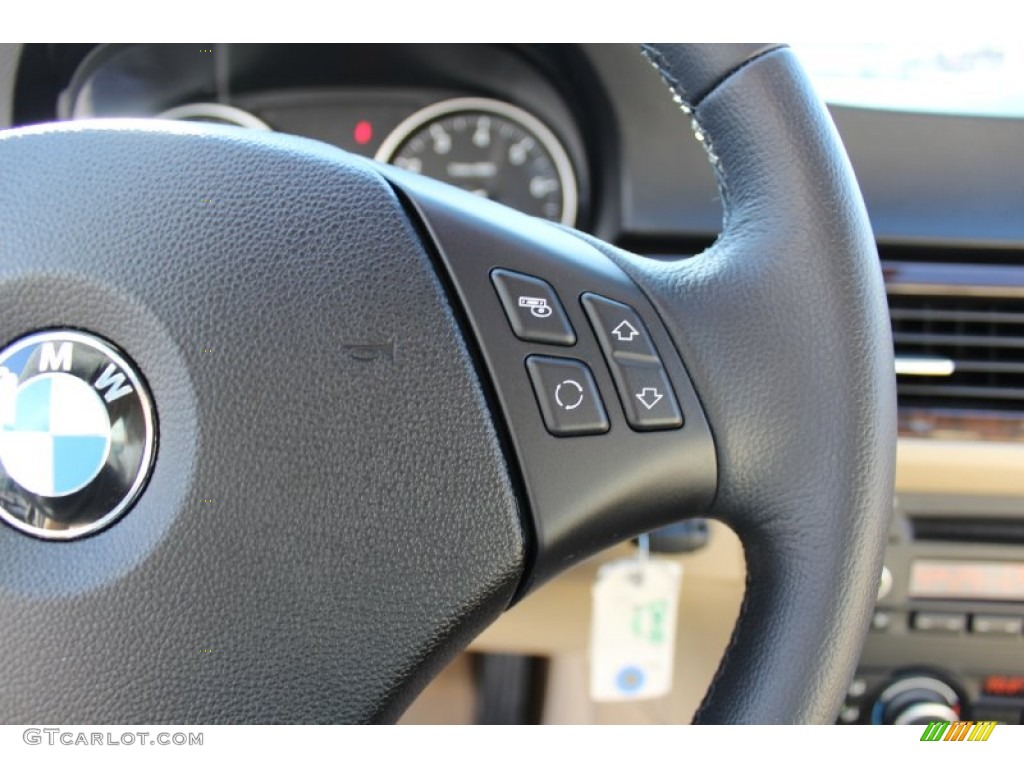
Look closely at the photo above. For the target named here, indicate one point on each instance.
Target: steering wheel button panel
(619, 329)
(568, 397)
(533, 308)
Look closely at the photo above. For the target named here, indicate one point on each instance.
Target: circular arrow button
(569, 394)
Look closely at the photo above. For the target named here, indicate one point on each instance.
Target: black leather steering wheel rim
(422, 529)
(806, 453)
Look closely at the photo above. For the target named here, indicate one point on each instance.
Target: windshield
(963, 79)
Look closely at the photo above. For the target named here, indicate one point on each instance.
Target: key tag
(633, 627)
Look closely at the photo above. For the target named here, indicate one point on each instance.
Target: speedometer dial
(492, 149)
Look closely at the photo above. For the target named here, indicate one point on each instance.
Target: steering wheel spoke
(606, 428)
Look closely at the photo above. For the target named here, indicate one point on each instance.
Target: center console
(947, 637)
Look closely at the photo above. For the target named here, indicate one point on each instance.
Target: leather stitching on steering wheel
(689, 107)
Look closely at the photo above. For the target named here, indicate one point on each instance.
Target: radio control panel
(947, 637)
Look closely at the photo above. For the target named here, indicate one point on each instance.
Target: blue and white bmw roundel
(76, 434)
(59, 437)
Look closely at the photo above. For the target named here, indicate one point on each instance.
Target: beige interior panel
(960, 467)
(450, 699)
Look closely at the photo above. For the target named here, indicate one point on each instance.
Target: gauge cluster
(491, 148)
(493, 120)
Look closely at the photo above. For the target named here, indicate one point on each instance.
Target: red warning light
(363, 132)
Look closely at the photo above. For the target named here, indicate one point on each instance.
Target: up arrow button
(619, 329)
(624, 331)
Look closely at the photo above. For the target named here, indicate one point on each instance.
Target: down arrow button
(647, 397)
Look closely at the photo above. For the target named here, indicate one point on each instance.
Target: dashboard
(481, 118)
(586, 135)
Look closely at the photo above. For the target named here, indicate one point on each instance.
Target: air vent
(959, 352)
(976, 530)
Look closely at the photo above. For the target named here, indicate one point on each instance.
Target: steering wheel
(362, 456)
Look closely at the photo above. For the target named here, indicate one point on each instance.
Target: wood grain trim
(978, 426)
(938, 279)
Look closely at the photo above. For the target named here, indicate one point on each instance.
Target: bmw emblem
(76, 434)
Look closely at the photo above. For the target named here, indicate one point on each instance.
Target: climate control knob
(916, 700)
(924, 712)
